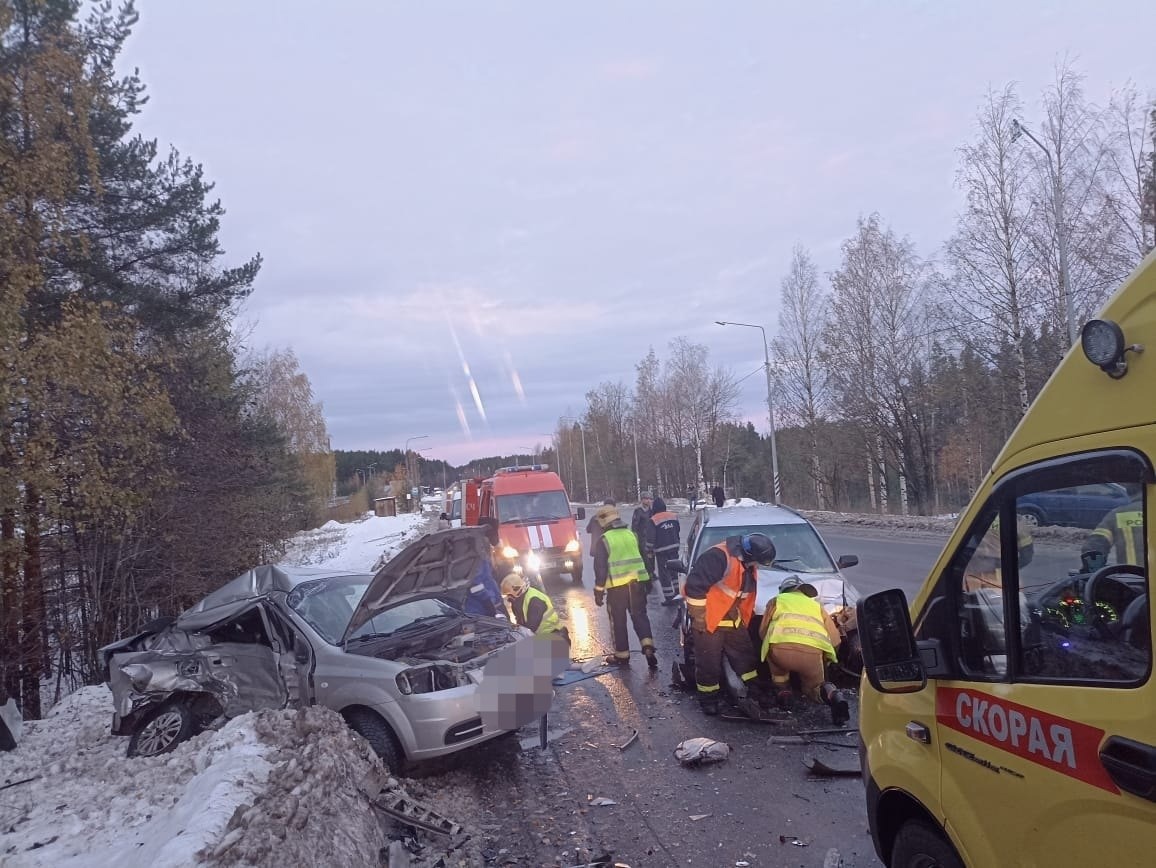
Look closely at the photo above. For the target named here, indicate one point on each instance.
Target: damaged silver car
(388, 651)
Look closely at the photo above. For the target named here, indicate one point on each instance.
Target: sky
(471, 213)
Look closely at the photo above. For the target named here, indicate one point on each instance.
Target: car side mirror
(891, 658)
(846, 561)
(581, 514)
(677, 567)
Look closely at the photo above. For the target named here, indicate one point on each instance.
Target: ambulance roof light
(523, 468)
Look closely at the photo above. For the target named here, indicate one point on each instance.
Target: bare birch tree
(1128, 142)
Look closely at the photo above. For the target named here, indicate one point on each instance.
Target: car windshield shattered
(797, 546)
(328, 605)
(536, 506)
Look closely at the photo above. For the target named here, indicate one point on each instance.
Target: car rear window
(797, 546)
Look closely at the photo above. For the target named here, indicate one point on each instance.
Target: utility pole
(637, 470)
(585, 468)
(1019, 129)
(776, 490)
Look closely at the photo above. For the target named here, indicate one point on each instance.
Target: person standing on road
(692, 496)
(720, 599)
(621, 582)
(666, 538)
(595, 529)
(533, 609)
(799, 637)
(641, 525)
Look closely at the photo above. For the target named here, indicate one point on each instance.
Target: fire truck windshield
(536, 506)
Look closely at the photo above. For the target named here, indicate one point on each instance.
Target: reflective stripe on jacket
(799, 620)
(730, 602)
(625, 564)
(667, 531)
(549, 623)
(1123, 527)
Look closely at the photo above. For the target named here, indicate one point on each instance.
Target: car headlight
(509, 552)
(533, 561)
(573, 546)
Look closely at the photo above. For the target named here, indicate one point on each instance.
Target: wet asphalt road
(762, 791)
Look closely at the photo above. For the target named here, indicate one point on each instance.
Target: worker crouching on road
(533, 609)
(720, 597)
(799, 637)
(621, 581)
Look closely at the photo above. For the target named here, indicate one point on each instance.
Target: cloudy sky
(472, 212)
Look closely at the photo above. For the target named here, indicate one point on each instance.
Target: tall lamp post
(776, 491)
(585, 471)
(409, 473)
(1018, 129)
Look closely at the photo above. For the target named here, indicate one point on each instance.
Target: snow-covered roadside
(361, 546)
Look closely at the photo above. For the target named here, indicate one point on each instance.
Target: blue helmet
(758, 548)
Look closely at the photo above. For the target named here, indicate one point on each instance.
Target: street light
(776, 491)
(1018, 129)
(585, 471)
(408, 475)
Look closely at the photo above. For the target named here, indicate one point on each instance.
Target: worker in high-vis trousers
(799, 637)
(622, 583)
(720, 600)
(533, 609)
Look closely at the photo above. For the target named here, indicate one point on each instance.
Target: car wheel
(370, 726)
(162, 729)
(576, 575)
(918, 845)
(1029, 519)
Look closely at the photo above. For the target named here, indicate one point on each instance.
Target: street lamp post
(1019, 129)
(776, 491)
(585, 469)
(408, 473)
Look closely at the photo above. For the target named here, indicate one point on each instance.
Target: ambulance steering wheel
(1091, 611)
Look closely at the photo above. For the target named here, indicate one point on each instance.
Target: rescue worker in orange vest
(799, 637)
(663, 538)
(621, 581)
(533, 609)
(720, 600)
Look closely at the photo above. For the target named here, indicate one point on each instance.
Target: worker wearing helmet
(720, 597)
(533, 609)
(799, 637)
(622, 583)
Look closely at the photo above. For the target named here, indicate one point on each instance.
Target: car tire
(1030, 518)
(373, 728)
(162, 729)
(919, 845)
(576, 575)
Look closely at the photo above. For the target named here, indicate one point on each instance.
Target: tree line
(898, 377)
(146, 456)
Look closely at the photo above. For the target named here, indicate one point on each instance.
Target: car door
(1047, 724)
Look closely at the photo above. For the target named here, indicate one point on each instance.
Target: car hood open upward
(438, 563)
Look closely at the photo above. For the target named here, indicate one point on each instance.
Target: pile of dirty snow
(90, 805)
(360, 546)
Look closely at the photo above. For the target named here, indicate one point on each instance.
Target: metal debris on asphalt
(397, 804)
(827, 770)
(794, 840)
(602, 802)
(633, 738)
(697, 751)
(697, 817)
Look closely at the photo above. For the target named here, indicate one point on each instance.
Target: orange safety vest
(735, 587)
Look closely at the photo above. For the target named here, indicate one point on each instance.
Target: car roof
(742, 516)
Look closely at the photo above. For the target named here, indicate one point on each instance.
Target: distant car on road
(1077, 506)
(800, 551)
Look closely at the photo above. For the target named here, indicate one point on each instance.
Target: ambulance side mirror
(891, 657)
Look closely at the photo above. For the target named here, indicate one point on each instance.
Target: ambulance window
(1084, 612)
(978, 573)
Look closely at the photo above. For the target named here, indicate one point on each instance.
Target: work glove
(599, 597)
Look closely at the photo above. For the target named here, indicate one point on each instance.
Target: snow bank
(360, 546)
(92, 806)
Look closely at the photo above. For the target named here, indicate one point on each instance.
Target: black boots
(709, 703)
(651, 658)
(837, 700)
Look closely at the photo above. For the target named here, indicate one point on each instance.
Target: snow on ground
(93, 806)
(360, 546)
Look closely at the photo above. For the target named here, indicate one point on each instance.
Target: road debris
(833, 859)
(605, 861)
(742, 718)
(18, 783)
(398, 805)
(697, 817)
(699, 751)
(633, 738)
(794, 840)
(829, 770)
(602, 802)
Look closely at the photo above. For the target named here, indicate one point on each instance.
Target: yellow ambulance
(1008, 713)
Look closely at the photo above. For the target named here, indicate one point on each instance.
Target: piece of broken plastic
(696, 751)
(602, 802)
(794, 839)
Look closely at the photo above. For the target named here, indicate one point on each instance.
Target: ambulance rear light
(523, 468)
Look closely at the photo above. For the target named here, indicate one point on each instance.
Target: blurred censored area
(517, 684)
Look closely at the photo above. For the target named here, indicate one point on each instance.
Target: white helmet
(513, 585)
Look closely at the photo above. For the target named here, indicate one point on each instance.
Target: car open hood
(437, 563)
(831, 588)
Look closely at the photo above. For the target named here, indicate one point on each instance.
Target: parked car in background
(387, 651)
(799, 551)
(1076, 506)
